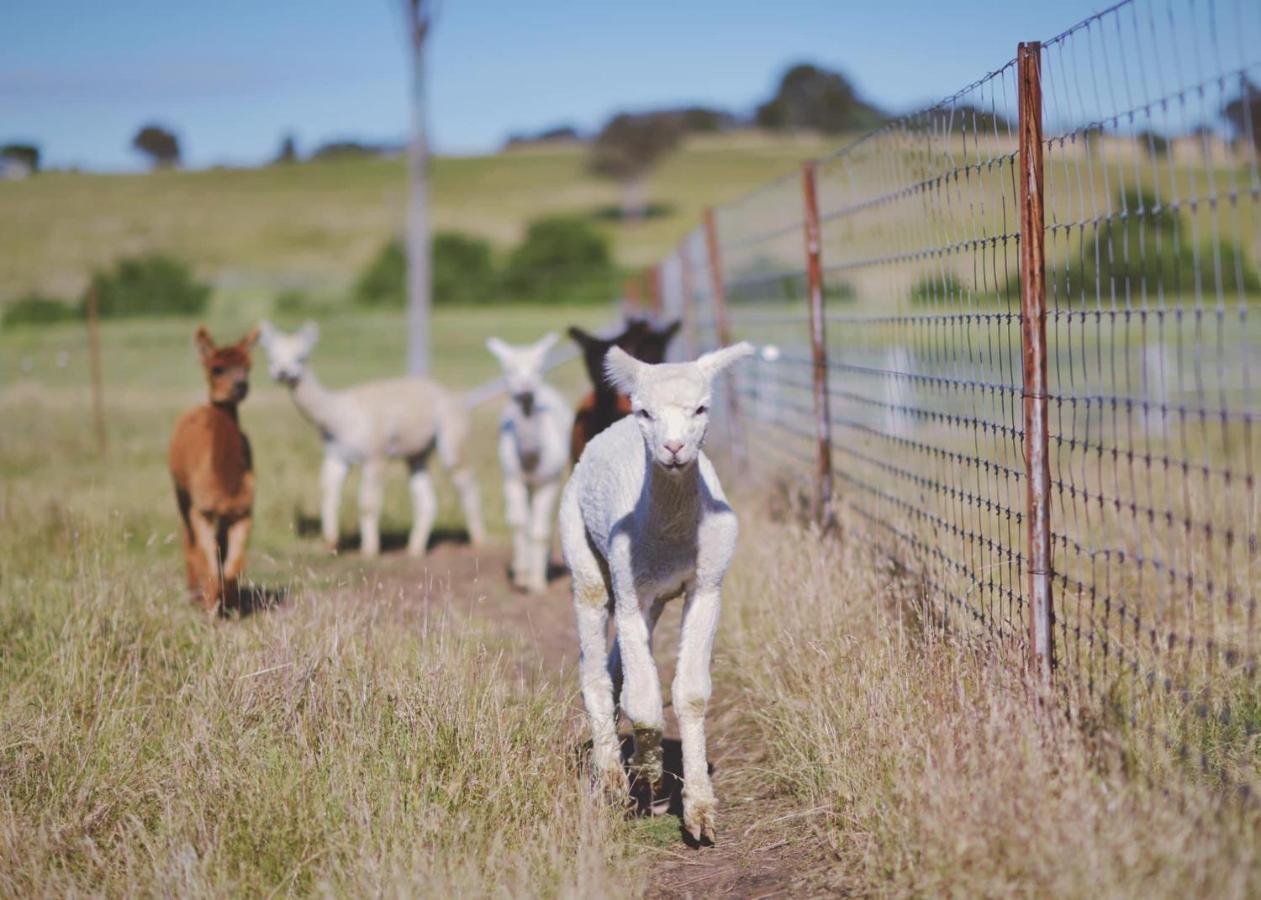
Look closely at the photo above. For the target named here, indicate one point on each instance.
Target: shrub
(37, 309)
(384, 281)
(151, 285)
(1149, 249)
(936, 288)
(463, 272)
(563, 259)
(463, 269)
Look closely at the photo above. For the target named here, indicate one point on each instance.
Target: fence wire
(1152, 237)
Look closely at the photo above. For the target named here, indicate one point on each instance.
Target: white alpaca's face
(670, 401)
(287, 353)
(522, 367)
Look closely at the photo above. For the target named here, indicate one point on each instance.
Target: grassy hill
(315, 224)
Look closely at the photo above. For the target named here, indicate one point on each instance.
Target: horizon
(80, 86)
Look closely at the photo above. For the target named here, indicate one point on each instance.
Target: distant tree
(159, 144)
(980, 121)
(556, 133)
(346, 149)
(812, 98)
(627, 149)
(288, 151)
(25, 154)
(703, 119)
(1244, 112)
(1155, 145)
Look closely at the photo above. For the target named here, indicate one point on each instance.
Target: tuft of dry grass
(929, 766)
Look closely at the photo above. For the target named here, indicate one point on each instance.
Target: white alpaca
(644, 520)
(533, 453)
(404, 418)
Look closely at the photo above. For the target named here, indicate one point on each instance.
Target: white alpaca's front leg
(517, 513)
(641, 685)
(371, 494)
(424, 508)
(332, 477)
(539, 538)
(690, 694)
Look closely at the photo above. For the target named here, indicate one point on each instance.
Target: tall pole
(722, 330)
(1034, 353)
(818, 347)
(419, 249)
(94, 365)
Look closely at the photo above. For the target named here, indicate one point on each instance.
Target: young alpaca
(603, 405)
(533, 453)
(212, 469)
(644, 520)
(403, 418)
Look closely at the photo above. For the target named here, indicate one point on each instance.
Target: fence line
(1016, 328)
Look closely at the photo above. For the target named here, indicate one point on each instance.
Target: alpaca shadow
(253, 598)
(669, 797)
(392, 540)
(555, 572)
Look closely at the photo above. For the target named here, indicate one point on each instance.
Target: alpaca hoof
(699, 818)
(611, 782)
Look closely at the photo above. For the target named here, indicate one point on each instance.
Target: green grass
(316, 224)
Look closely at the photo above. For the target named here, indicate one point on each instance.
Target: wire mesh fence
(1149, 203)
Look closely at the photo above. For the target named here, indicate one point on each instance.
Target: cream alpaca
(644, 520)
(533, 454)
(404, 418)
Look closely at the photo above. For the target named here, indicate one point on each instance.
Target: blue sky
(231, 77)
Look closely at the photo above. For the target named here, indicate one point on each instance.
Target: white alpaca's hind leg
(690, 693)
(424, 507)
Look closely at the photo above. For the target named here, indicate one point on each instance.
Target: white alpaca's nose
(674, 447)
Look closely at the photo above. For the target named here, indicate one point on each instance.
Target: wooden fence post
(94, 364)
(818, 347)
(722, 330)
(1034, 352)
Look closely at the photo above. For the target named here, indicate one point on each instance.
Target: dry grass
(932, 769)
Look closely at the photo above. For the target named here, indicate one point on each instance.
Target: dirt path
(758, 852)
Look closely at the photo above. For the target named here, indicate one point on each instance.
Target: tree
(627, 149)
(812, 98)
(562, 259)
(419, 19)
(1244, 114)
(23, 154)
(288, 152)
(159, 144)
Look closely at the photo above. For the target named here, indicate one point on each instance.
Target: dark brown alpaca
(603, 405)
(213, 472)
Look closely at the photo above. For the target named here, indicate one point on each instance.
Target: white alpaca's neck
(315, 401)
(673, 497)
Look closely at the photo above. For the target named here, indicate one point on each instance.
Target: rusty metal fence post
(94, 365)
(818, 347)
(722, 331)
(652, 276)
(1034, 352)
(686, 309)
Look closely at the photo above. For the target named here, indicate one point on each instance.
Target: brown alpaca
(213, 472)
(603, 406)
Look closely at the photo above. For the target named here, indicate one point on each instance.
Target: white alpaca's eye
(644, 414)
(701, 410)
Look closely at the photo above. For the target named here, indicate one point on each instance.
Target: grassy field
(316, 224)
(411, 727)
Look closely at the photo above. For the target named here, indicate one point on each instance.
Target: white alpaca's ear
(498, 348)
(712, 363)
(545, 343)
(622, 370)
(310, 333)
